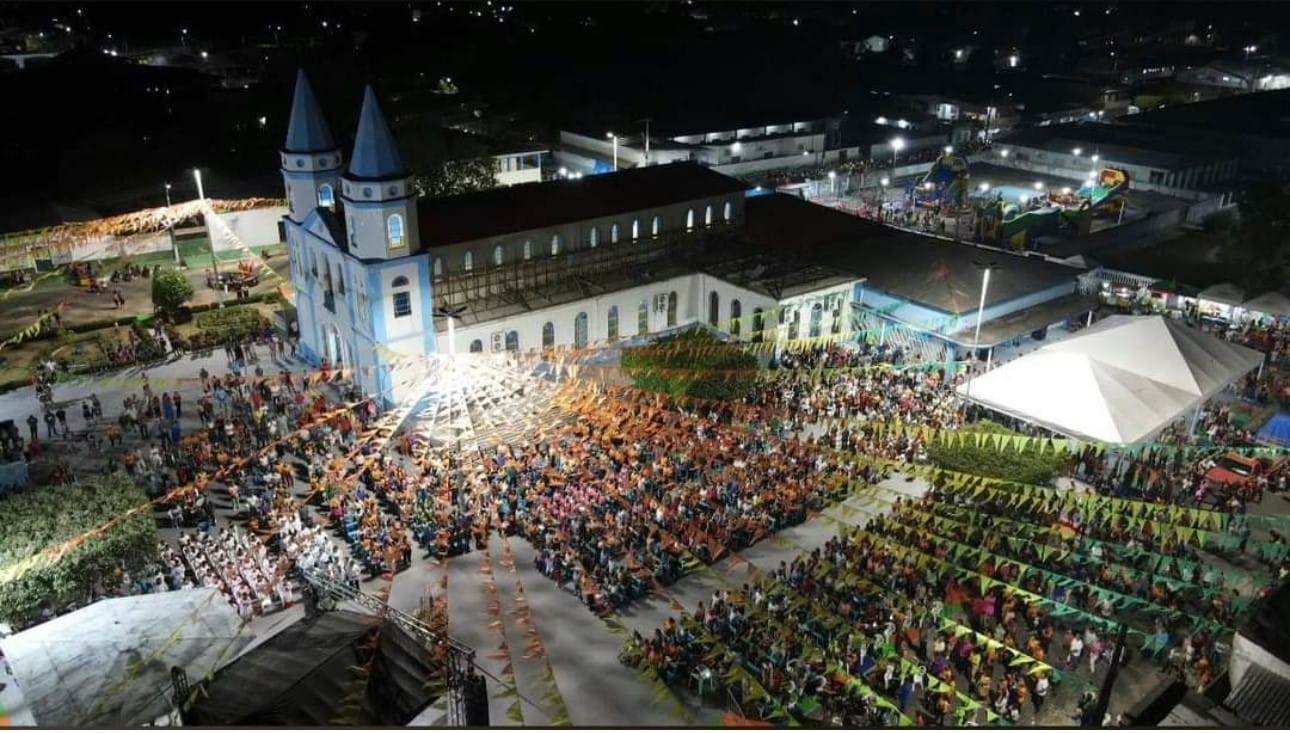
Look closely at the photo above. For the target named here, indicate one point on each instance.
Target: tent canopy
(1225, 293)
(1270, 304)
(304, 676)
(108, 664)
(1121, 381)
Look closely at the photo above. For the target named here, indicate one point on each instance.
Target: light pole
(833, 185)
(985, 268)
(183, 37)
(614, 137)
(170, 226)
(897, 145)
(882, 195)
(201, 198)
(452, 314)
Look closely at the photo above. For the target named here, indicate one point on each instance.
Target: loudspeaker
(476, 697)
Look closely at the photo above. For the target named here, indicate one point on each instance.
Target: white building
(575, 262)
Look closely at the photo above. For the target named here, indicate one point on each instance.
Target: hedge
(1027, 465)
(35, 523)
(705, 367)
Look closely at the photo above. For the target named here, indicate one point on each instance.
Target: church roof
(307, 131)
(502, 211)
(376, 157)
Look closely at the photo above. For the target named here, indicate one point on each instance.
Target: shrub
(1027, 465)
(36, 525)
(692, 364)
(170, 290)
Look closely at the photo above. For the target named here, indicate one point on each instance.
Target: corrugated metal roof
(1263, 699)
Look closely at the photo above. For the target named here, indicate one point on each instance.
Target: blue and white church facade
(564, 263)
(363, 292)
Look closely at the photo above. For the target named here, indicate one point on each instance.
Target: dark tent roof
(304, 675)
(502, 211)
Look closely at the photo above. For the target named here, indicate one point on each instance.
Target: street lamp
(170, 226)
(1095, 157)
(167, 195)
(949, 149)
(984, 187)
(833, 184)
(1039, 186)
(897, 145)
(882, 195)
(985, 268)
(1076, 152)
(614, 137)
(452, 314)
(201, 197)
(183, 37)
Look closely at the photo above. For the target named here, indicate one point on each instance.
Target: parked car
(1236, 469)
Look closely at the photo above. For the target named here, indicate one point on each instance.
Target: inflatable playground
(1011, 216)
(944, 187)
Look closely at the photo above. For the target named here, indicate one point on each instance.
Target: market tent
(305, 677)
(1225, 293)
(1121, 381)
(1269, 304)
(1276, 431)
(108, 664)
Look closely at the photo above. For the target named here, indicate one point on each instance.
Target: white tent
(108, 664)
(1121, 381)
(1223, 293)
(1269, 304)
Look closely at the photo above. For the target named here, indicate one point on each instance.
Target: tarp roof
(1120, 381)
(303, 676)
(1272, 304)
(108, 664)
(1225, 293)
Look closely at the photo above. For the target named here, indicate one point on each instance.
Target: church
(383, 277)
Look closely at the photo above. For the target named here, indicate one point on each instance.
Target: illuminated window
(612, 331)
(636, 229)
(727, 212)
(613, 233)
(499, 255)
(528, 249)
(326, 197)
(468, 261)
(394, 230)
(555, 244)
(707, 216)
(655, 225)
(402, 304)
(594, 236)
(689, 220)
(438, 267)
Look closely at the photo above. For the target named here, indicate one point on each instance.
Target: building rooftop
(501, 211)
(1263, 114)
(932, 272)
(1126, 144)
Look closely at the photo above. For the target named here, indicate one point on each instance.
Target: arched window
(438, 267)
(580, 330)
(689, 220)
(394, 231)
(707, 216)
(468, 261)
(636, 229)
(759, 324)
(613, 233)
(593, 237)
(326, 197)
(512, 340)
(655, 225)
(727, 212)
(612, 331)
(499, 255)
(402, 299)
(671, 309)
(795, 325)
(555, 244)
(817, 320)
(736, 313)
(528, 249)
(714, 308)
(642, 318)
(477, 346)
(548, 335)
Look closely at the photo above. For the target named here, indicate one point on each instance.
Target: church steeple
(307, 131)
(311, 160)
(376, 157)
(380, 199)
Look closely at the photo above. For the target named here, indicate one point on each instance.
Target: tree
(170, 290)
(452, 177)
